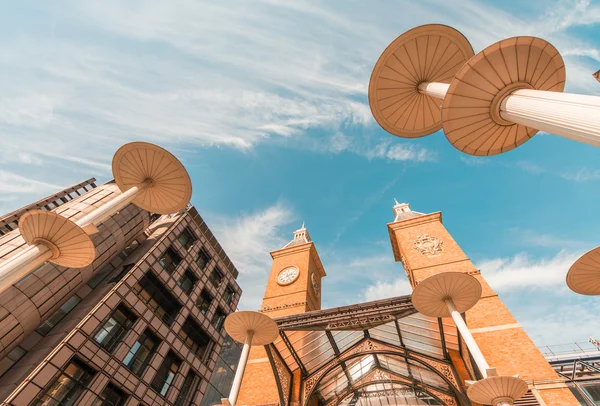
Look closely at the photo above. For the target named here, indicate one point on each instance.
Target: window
(189, 388)
(129, 249)
(151, 291)
(166, 373)
(11, 359)
(112, 396)
(113, 329)
(194, 337)
(139, 355)
(229, 295)
(202, 259)
(58, 315)
(67, 385)
(51, 206)
(169, 260)
(204, 301)
(218, 318)
(187, 238)
(187, 281)
(100, 275)
(216, 277)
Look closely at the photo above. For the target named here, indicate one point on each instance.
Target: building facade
(141, 325)
(385, 352)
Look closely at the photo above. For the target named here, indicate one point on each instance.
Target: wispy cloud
(248, 239)
(583, 175)
(386, 289)
(524, 273)
(13, 183)
(537, 239)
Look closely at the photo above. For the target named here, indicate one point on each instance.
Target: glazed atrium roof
(380, 352)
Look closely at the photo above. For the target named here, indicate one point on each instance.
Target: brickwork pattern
(510, 350)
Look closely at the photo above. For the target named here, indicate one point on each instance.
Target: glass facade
(170, 260)
(114, 328)
(67, 386)
(142, 351)
(224, 372)
(166, 373)
(187, 238)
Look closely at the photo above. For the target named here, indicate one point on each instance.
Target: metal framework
(343, 353)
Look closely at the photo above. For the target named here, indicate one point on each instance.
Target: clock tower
(294, 287)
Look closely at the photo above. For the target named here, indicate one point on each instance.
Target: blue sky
(265, 102)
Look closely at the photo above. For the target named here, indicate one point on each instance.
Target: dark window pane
(166, 373)
(218, 319)
(151, 291)
(139, 355)
(194, 337)
(67, 385)
(187, 281)
(216, 277)
(188, 389)
(114, 328)
(58, 315)
(112, 396)
(170, 260)
(202, 259)
(204, 301)
(187, 238)
(229, 295)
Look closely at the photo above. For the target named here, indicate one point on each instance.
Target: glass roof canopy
(321, 342)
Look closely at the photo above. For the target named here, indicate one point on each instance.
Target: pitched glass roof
(310, 341)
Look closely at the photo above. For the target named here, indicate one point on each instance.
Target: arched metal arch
(400, 353)
(392, 380)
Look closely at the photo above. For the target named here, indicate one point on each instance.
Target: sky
(265, 102)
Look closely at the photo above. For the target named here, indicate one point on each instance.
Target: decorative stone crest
(428, 245)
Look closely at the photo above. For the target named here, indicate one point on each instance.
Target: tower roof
(301, 236)
(402, 211)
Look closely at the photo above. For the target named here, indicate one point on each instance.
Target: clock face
(315, 284)
(287, 276)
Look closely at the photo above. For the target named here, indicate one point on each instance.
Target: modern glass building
(141, 325)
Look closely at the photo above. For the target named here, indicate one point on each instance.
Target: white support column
(239, 373)
(434, 89)
(567, 115)
(105, 211)
(469, 340)
(15, 268)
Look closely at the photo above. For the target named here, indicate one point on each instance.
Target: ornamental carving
(360, 323)
(428, 245)
(284, 379)
(285, 306)
(444, 369)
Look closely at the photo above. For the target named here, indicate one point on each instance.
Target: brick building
(141, 325)
(385, 352)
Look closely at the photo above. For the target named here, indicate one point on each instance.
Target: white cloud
(383, 289)
(535, 238)
(13, 183)
(523, 273)
(248, 240)
(583, 175)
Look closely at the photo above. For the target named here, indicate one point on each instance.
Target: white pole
(568, 115)
(434, 89)
(21, 264)
(108, 209)
(469, 340)
(239, 373)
